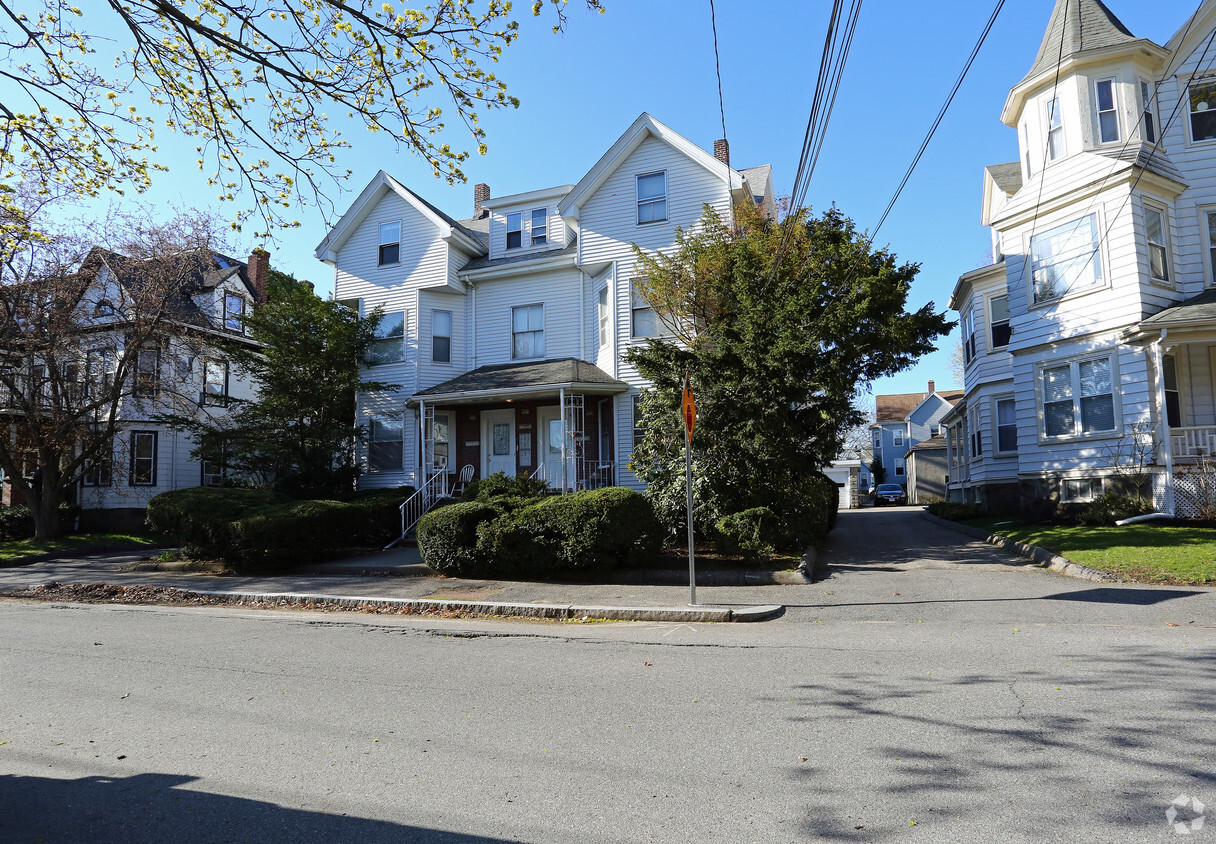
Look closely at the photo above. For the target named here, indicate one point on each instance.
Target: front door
(498, 442)
(551, 430)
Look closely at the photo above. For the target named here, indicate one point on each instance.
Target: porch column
(421, 443)
(1163, 425)
(561, 400)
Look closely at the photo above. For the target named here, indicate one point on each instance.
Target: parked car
(890, 494)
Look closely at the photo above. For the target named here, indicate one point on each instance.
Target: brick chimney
(481, 192)
(259, 270)
(722, 151)
(931, 386)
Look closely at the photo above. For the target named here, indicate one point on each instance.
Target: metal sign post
(690, 417)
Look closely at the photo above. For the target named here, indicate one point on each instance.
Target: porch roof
(1196, 310)
(522, 380)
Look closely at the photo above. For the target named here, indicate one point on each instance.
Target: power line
(713, 20)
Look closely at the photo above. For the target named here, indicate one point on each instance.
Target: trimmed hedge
(201, 517)
(587, 531)
(808, 512)
(447, 537)
(755, 534)
(956, 511)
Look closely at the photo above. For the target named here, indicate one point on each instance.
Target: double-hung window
(215, 383)
(1078, 398)
(540, 226)
(1203, 110)
(1148, 112)
(1006, 426)
(998, 322)
(1156, 233)
(1173, 399)
(1210, 220)
(877, 442)
(897, 438)
(1065, 258)
(441, 336)
(385, 443)
(390, 244)
(98, 470)
(899, 467)
(1108, 115)
(642, 316)
(977, 435)
(147, 373)
(967, 322)
(602, 305)
(212, 472)
(528, 331)
(234, 312)
(652, 197)
(389, 343)
(1055, 130)
(515, 230)
(1027, 154)
(143, 458)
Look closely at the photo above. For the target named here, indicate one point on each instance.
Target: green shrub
(201, 517)
(807, 512)
(957, 511)
(16, 523)
(592, 530)
(1110, 507)
(754, 533)
(447, 537)
(379, 512)
(295, 533)
(498, 486)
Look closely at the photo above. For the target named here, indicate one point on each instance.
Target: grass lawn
(1147, 552)
(18, 549)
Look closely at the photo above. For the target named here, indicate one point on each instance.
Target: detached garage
(927, 470)
(845, 474)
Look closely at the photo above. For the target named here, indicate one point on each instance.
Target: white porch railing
(580, 474)
(1193, 442)
(421, 502)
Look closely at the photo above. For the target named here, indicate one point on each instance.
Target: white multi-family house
(1095, 328)
(902, 421)
(185, 311)
(506, 330)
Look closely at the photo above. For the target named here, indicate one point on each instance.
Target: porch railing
(420, 503)
(583, 473)
(1193, 442)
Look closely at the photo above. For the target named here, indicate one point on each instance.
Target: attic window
(1055, 130)
(390, 243)
(540, 226)
(234, 310)
(515, 230)
(652, 197)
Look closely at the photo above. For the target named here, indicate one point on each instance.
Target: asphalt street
(931, 689)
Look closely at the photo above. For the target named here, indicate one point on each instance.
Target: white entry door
(549, 420)
(498, 442)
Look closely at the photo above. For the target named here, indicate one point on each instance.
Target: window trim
(635, 417)
(650, 200)
(897, 438)
(1147, 205)
(603, 300)
(900, 471)
(633, 311)
(447, 416)
(995, 409)
(1149, 131)
(1075, 364)
(543, 321)
(1207, 227)
(1051, 110)
(139, 390)
(966, 324)
(435, 335)
(1113, 82)
(1100, 281)
(519, 230)
(135, 435)
(239, 327)
(102, 467)
(989, 312)
(405, 319)
(373, 418)
(1190, 115)
(975, 434)
(604, 426)
(219, 399)
(221, 475)
(380, 262)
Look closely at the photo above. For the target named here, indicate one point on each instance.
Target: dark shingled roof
(540, 374)
(1201, 307)
(934, 443)
(1146, 157)
(446, 218)
(483, 262)
(897, 406)
(1008, 177)
(1078, 25)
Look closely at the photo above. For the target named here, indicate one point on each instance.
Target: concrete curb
(629, 577)
(1040, 556)
(554, 611)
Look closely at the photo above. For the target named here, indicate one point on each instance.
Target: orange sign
(689, 407)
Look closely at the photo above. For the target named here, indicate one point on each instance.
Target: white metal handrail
(421, 502)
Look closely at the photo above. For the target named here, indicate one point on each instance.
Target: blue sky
(581, 89)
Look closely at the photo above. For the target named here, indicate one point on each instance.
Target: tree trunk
(44, 505)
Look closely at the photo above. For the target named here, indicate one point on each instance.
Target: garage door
(846, 494)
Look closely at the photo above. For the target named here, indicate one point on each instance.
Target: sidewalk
(398, 577)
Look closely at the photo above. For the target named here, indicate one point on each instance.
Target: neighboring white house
(903, 420)
(506, 330)
(1097, 322)
(181, 372)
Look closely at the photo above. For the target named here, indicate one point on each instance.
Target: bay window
(1108, 115)
(998, 322)
(1158, 248)
(1006, 426)
(1149, 114)
(1055, 130)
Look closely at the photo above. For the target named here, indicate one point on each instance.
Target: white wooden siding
(557, 290)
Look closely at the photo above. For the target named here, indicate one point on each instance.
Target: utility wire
(713, 20)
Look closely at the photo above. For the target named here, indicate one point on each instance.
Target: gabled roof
(380, 185)
(897, 407)
(1007, 177)
(1076, 26)
(644, 127)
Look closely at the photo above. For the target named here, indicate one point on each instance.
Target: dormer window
(390, 243)
(540, 226)
(234, 311)
(652, 197)
(1150, 114)
(1203, 111)
(515, 230)
(1108, 116)
(1055, 130)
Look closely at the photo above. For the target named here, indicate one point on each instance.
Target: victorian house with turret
(1090, 343)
